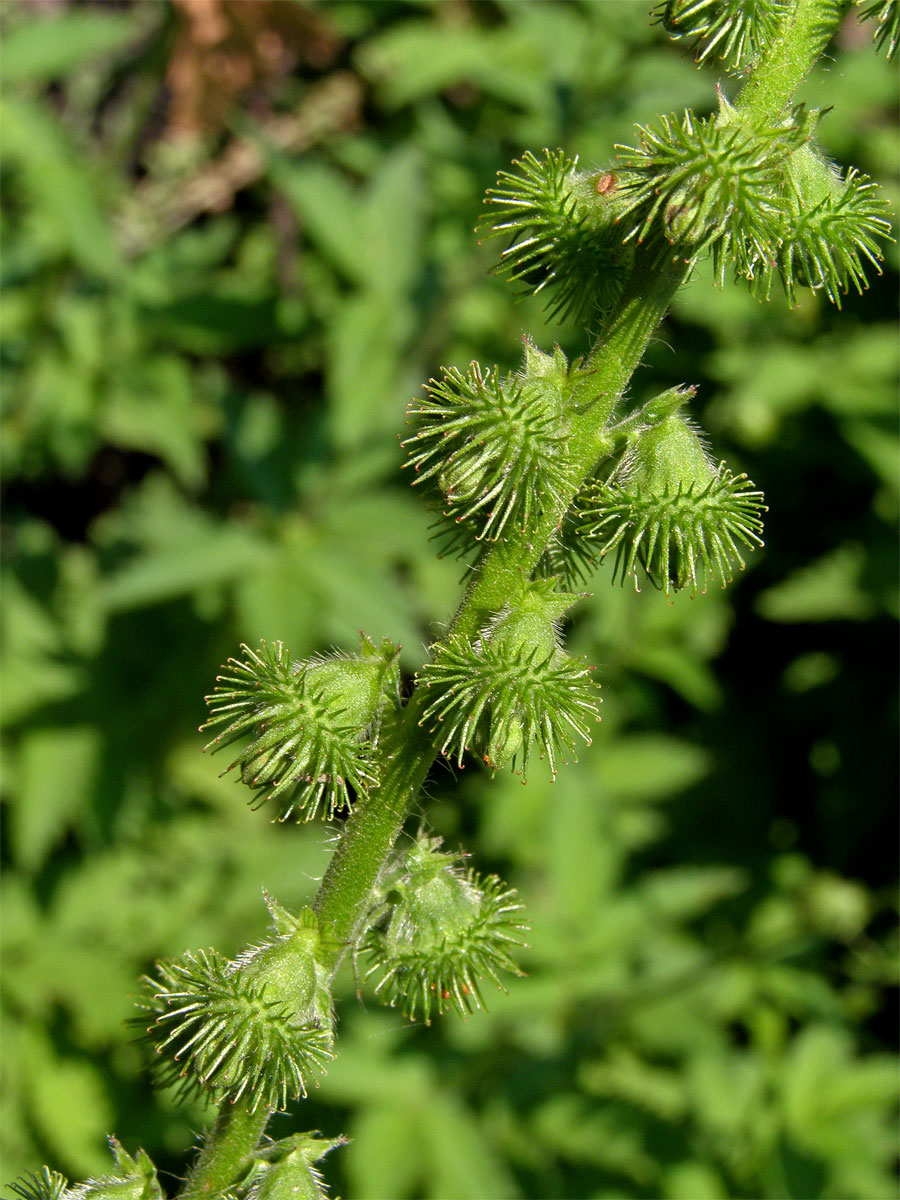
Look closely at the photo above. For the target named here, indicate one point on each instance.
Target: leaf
(68, 1106)
(829, 589)
(391, 225)
(386, 1155)
(650, 766)
(56, 771)
(59, 186)
(683, 893)
(364, 355)
(43, 50)
(36, 671)
(835, 1102)
(182, 549)
(462, 1163)
(152, 407)
(329, 209)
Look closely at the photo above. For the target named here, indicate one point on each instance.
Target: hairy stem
(803, 36)
(408, 750)
(227, 1152)
(372, 828)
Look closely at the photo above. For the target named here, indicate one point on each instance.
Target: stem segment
(803, 36)
(227, 1152)
(375, 823)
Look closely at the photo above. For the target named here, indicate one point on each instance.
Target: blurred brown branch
(159, 207)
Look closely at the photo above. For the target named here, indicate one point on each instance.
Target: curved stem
(375, 823)
(408, 749)
(804, 34)
(227, 1152)
(373, 827)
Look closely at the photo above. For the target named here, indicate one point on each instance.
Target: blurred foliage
(236, 238)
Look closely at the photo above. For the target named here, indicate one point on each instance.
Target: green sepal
(561, 226)
(314, 725)
(441, 931)
(670, 510)
(285, 1170)
(512, 688)
(492, 449)
(255, 1028)
(134, 1179)
(288, 965)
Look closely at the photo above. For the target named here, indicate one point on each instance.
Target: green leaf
(830, 589)
(391, 221)
(57, 766)
(647, 766)
(42, 50)
(463, 1164)
(386, 1155)
(59, 186)
(69, 1107)
(329, 209)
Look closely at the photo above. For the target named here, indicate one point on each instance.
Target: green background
(201, 403)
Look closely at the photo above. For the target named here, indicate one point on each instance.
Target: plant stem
(227, 1152)
(803, 36)
(408, 750)
(375, 823)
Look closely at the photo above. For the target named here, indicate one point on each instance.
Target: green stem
(803, 36)
(227, 1152)
(373, 827)
(375, 823)
(408, 749)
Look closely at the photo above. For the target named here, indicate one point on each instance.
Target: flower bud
(832, 223)
(671, 510)
(561, 226)
(313, 724)
(494, 447)
(513, 687)
(254, 1028)
(444, 930)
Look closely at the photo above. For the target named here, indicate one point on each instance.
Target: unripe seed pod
(254, 1029)
(442, 931)
(563, 237)
(313, 724)
(670, 509)
(513, 687)
(495, 447)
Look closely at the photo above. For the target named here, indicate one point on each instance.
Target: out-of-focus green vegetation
(236, 238)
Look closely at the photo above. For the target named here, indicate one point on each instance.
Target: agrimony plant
(536, 478)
